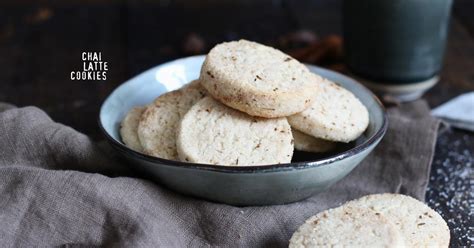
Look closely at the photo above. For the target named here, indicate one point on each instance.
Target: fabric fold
(58, 187)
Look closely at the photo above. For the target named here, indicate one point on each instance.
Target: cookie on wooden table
(159, 122)
(212, 133)
(304, 142)
(258, 79)
(128, 129)
(420, 225)
(335, 114)
(347, 227)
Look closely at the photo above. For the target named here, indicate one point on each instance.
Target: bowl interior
(145, 87)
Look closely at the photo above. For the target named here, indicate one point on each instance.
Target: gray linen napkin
(458, 112)
(51, 193)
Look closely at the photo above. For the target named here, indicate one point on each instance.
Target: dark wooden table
(40, 44)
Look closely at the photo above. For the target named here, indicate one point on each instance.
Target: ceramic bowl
(253, 185)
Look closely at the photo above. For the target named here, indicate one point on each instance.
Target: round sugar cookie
(347, 227)
(212, 133)
(304, 142)
(257, 79)
(128, 128)
(159, 122)
(335, 114)
(420, 225)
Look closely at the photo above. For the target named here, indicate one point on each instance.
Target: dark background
(41, 43)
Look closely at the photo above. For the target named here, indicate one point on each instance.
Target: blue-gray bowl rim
(261, 168)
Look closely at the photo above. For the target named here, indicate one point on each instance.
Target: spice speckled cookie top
(257, 79)
(347, 227)
(212, 133)
(159, 122)
(419, 225)
(335, 114)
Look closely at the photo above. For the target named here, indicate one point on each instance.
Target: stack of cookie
(380, 220)
(252, 105)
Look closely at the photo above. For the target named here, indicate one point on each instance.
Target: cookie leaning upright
(129, 126)
(335, 115)
(212, 133)
(258, 79)
(159, 122)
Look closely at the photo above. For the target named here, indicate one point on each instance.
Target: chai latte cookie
(304, 142)
(159, 122)
(347, 227)
(335, 114)
(212, 133)
(128, 129)
(420, 225)
(257, 79)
